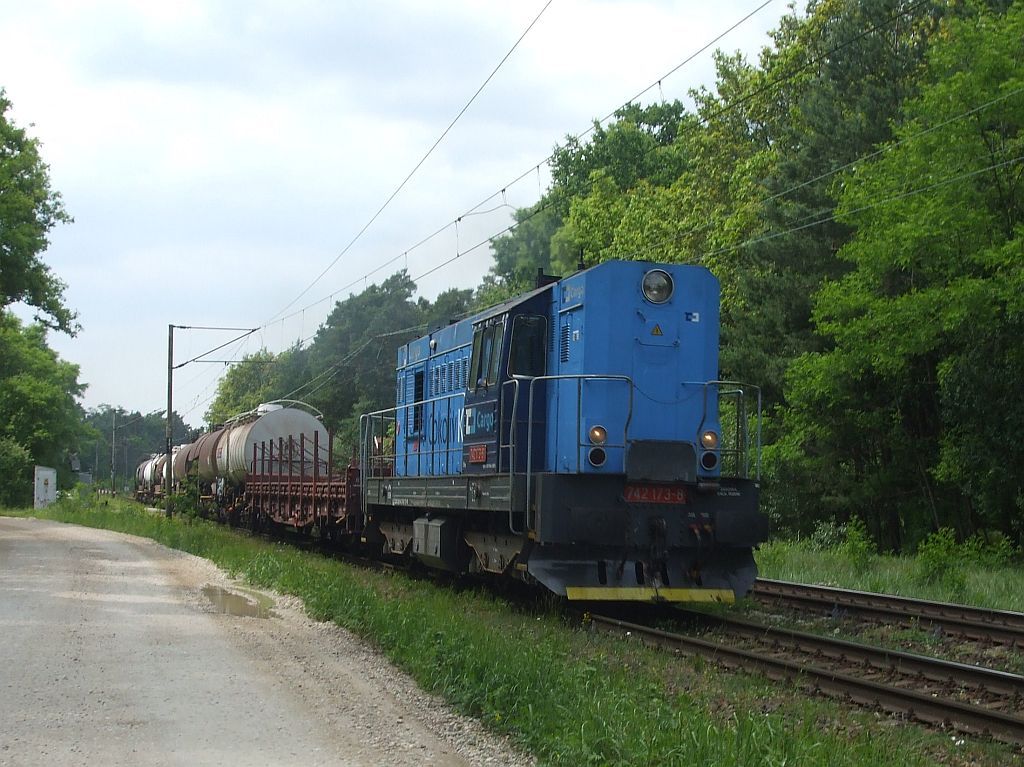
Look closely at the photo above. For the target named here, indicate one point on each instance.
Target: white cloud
(218, 155)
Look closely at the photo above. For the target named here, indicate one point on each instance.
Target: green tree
(39, 412)
(843, 74)
(353, 353)
(917, 401)
(136, 436)
(612, 160)
(29, 209)
(449, 306)
(257, 378)
(626, 150)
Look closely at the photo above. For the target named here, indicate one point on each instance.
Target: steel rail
(923, 707)
(1002, 626)
(872, 658)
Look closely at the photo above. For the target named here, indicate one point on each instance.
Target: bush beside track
(571, 697)
(979, 571)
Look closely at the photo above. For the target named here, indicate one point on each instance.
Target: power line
(859, 160)
(324, 376)
(420, 163)
(546, 161)
(872, 204)
(248, 332)
(541, 207)
(589, 183)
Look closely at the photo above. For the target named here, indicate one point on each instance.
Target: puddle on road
(244, 605)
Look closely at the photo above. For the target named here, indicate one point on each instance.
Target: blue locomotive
(576, 436)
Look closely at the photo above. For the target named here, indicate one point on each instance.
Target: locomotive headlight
(657, 286)
(598, 435)
(709, 440)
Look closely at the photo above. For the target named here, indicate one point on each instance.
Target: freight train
(576, 436)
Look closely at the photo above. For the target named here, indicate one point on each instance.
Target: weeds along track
(941, 693)
(977, 623)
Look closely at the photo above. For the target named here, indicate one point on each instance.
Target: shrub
(16, 471)
(186, 501)
(990, 550)
(827, 535)
(857, 545)
(939, 561)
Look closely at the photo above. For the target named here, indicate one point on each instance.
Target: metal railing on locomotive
(378, 462)
(738, 455)
(580, 379)
(382, 425)
(734, 459)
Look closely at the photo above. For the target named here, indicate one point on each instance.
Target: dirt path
(111, 653)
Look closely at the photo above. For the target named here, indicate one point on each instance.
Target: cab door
(482, 418)
(527, 360)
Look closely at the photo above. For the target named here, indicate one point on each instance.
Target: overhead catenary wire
(528, 172)
(326, 373)
(419, 164)
(543, 206)
(336, 366)
(835, 171)
(588, 184)
(868, 206)
(248, 332)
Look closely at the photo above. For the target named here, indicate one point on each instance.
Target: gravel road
(111, 653)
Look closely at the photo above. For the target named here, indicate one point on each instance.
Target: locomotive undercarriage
(582, 538)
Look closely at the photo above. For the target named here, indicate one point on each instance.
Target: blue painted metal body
(608, 357)
(431, 387)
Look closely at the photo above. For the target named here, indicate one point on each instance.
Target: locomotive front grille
(661, 461)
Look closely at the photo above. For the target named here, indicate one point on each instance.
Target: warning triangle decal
(657, 331)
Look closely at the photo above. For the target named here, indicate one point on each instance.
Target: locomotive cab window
(526, 356)
(485, 366)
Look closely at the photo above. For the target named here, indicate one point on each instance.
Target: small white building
(45, 487)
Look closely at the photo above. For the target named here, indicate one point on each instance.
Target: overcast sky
(218, 156)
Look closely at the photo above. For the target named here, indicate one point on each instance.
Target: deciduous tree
(918, 400)
(29, 209)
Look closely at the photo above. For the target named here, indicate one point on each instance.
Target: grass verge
(569, 696)
(961, 577)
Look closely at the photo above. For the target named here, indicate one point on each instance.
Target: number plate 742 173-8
(654, 494)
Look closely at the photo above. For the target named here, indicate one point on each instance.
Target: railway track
(941, 693)
(997, 626)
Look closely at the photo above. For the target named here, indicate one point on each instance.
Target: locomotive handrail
(366, 432)
(511, 446)
(579, 378)
(742, 449)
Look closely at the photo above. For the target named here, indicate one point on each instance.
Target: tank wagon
(576, 436)
(268, 465)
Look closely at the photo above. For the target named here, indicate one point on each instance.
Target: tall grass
(977, 572)
(570, 696)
